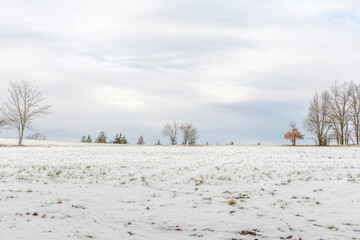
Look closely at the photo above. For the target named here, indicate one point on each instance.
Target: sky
(238, 70)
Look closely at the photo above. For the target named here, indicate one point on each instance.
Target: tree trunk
(357, 132)
(341, 134)
(21, 134)
(19, 131)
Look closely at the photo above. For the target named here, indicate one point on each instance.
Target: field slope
(63, 190)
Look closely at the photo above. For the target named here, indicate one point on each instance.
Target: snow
(80, 191)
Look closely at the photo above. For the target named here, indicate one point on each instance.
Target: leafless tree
(317, 122)
(355, 110)
(36, 136)
(340, 104)
(189, 133)
(171, 131)
(185, 130)
(23, 106)
(193, 136)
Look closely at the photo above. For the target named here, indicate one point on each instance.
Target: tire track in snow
(217, 164)
(194, 173)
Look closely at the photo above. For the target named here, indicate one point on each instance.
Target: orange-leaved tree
(293, 134)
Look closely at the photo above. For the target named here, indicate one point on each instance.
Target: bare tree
(193, 136)
(23, 106)
(355, 110)
(185, 130)
(317, 122)
(340, 104)
(189, 133)
(171, 131)
(36, 136)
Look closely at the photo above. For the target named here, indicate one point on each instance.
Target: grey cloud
(240, 70)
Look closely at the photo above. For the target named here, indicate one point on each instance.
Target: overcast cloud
(239, 70)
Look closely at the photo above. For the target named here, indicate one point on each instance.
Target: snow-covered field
(54, 190)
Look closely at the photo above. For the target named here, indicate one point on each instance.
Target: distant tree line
(173, 131)
(118, 139)
(36, 136)
(334, 115)
(86, 139)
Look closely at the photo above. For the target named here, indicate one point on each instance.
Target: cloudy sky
(239, 70)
